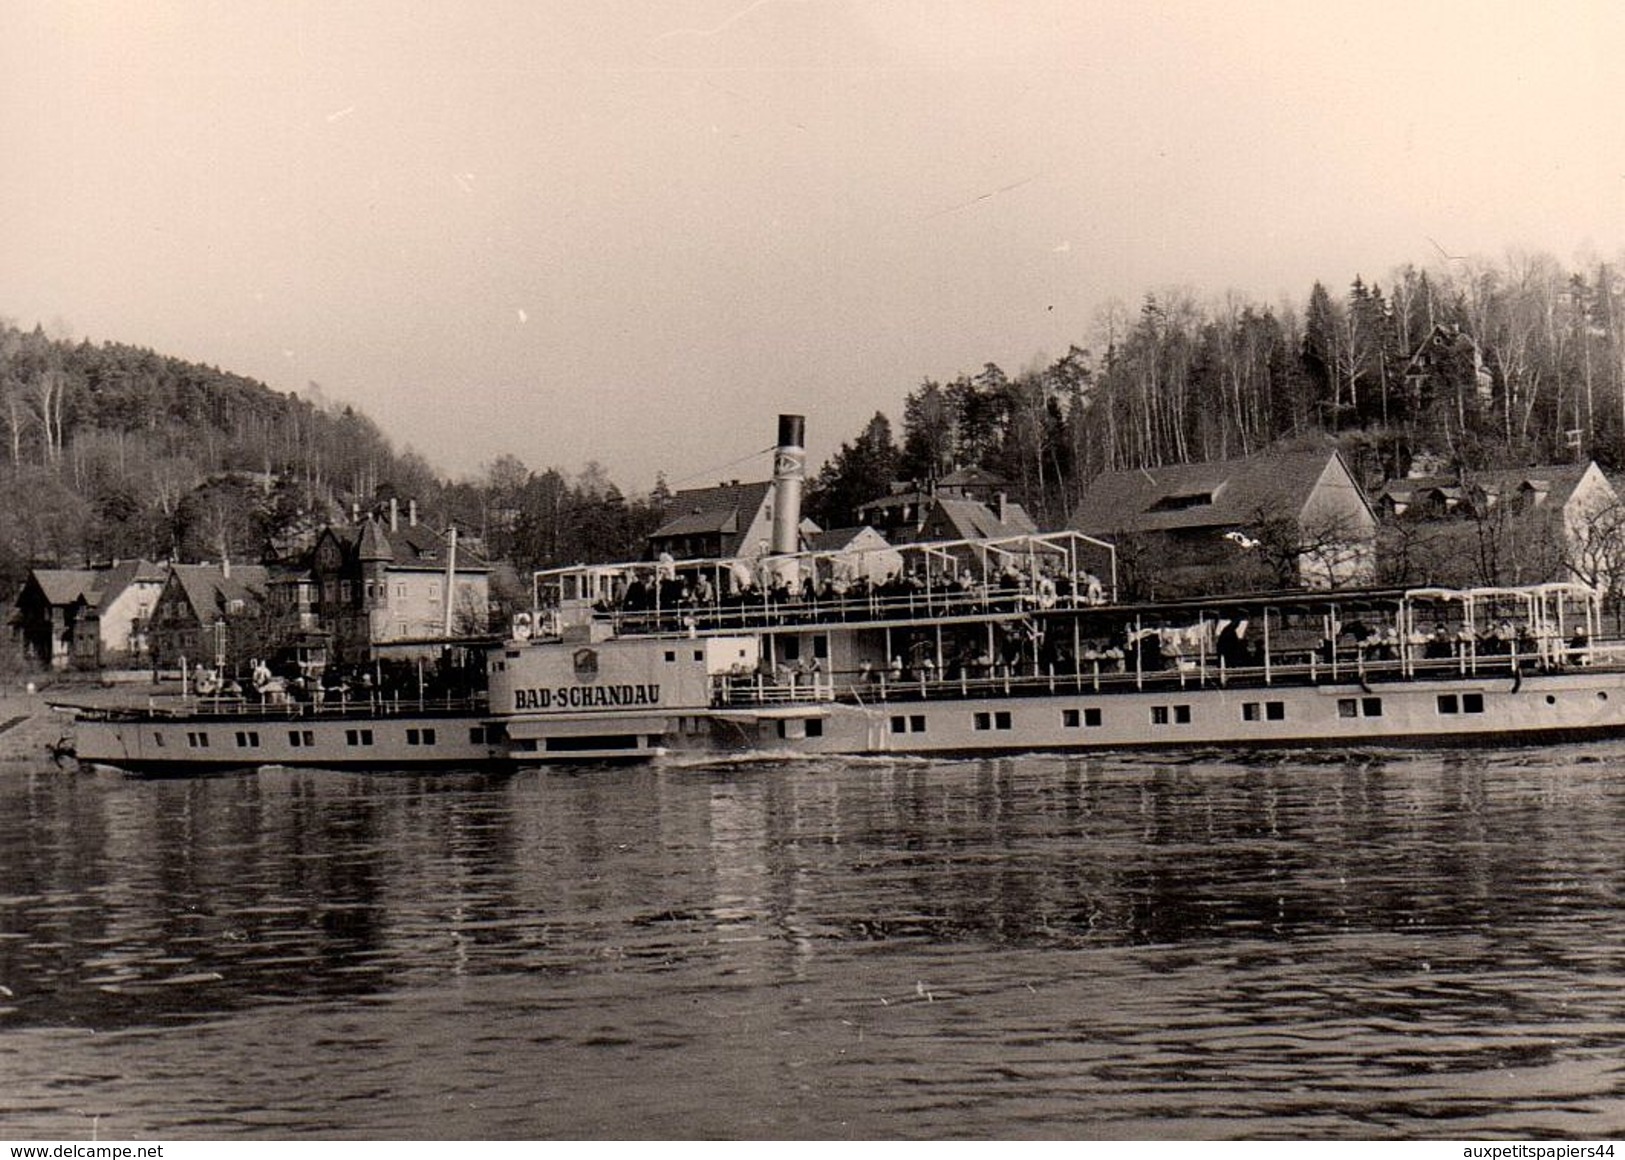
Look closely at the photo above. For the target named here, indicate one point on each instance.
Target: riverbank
(28, 726)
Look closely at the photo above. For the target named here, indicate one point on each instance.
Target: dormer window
(1184, 501)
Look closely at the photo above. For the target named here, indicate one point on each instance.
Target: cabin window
(158, 740)
(301, 738)
(911, 724)
(1070, 718)
(981, 721)
(1348, 707)
(1159, 714)
(699, 654)
(197, 740)
(815, 727)
(671, 656)
(1371, 706)
(358, 737)
(420, 737)
(1091, 718)
(916, 723)
(476, 735)
(1472, 702)
(1448, 703)
(1275, 710)
(248, 739)
(1252, 711)
(900, 724)
(821, 647)
(1001, 720)
(1182, 714)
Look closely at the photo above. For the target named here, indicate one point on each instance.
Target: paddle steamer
(973, 646)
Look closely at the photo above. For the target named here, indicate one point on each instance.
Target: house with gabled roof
(209, 612)
(88, 617)
(1294, 518)
(723, 522)
(389, 580)
(1552, 521)
(909, 515)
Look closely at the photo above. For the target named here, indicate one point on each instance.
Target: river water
(1416, 946)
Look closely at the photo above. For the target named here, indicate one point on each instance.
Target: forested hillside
(114, 451)
(1475, 367)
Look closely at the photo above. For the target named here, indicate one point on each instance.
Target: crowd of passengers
(698, 596)
(1024, 650)
(261, 682)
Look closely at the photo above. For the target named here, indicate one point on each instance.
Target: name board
(586, 697)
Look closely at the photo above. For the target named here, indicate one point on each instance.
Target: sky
(636, 232)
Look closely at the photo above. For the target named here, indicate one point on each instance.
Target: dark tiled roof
(65, 585)
(1225, 493)
(727, 510)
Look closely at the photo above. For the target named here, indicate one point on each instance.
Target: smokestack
(394, 514)
(789, 470)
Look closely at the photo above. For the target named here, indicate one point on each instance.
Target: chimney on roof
(394, 514)
(412, 513)
(1004, 501)
(355, 513)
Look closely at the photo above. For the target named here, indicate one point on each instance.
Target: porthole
(1551, 700)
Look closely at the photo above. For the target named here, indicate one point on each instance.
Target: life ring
(521, 626)
(207, 684)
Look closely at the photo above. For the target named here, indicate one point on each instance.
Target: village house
(723, 522)
(389, 580)
(1283, 519)
(208, 614)
(971, 504)
(1555, 521)
(88, 618)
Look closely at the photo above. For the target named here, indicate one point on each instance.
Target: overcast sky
(635, 232)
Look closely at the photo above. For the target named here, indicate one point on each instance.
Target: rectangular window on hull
(302, 738)
(420, 736)
(358, 737)
(248, 740)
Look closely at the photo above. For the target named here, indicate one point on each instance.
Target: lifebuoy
(207, 684)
